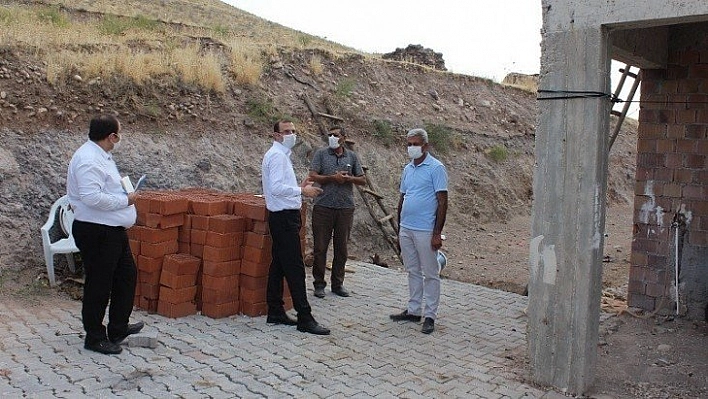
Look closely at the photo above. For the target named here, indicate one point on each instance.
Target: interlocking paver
(367, 355)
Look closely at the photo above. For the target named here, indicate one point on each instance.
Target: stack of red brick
(202, 250)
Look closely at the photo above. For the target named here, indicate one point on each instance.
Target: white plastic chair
(62, 246)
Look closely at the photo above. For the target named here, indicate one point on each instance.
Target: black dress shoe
(313, 327)
(404, 316)
(283, 319)
(132, 329)
(319, 292)
(341, 291)
(106, 347)
(428, 326)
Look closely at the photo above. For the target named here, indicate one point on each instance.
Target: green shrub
(221, 30)
(304, 40)
(145, 23)
(264, 111)
(383, 131)
(440, 137)
(53, 16)
(345, 87)
(112, 25)
(498, 153)
(6, 16)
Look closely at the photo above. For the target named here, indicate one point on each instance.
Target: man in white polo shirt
(102, 213)
(422, 209)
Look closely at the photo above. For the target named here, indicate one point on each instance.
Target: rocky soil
(182, 137)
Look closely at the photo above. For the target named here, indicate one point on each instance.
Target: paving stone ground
(367, 355)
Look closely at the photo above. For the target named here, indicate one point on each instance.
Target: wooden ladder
(621, 115)
(385, 219)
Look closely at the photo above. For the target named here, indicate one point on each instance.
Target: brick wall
(672, 179)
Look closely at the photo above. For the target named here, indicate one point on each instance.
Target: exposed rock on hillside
(417, 54)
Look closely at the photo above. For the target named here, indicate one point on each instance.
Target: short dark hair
(103, 126)
(340, 128)
(276, 127)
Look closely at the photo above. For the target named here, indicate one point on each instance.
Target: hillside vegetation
(198, 84)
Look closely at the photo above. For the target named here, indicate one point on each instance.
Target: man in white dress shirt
(102, 213)
(283, 198)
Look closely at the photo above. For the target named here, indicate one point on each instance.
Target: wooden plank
(368, 191)
(385, 218)
(336, 118)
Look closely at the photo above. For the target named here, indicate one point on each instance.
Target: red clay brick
(695, 161)
(670, 190)
(647, 146)
(638, 259)
(221, 254)
(221, 269)
(698, 238)
(254, 283)
(150, 291)
(221, 240)
(215, 296)
(702, 146)
(260, 227)
(169, 205)
(196, 250)
(184, 234)
(153, 235)
(184, 248)
(149, 277)
(148, 264)
(198, 237)
(148, 305)
(142, 203)
(685, 116)
(665, 145)
(181, 264)
(253, 296)
(174, 311)
(157, 250)
(693, 192)
(225, 283)
(219, 310)
(676, 132)
(178, 295)
(198, 222)
(172, 280)
(262, 256)
(637, 287)
(254, 309)
(254, 269)
(663, 174)
(699, 71)
(673, 160)
(652, 131)
(641, 301)
(134, 247)
(227, 224)
(259, 241)
(256, 211)
(702, 114)
(683, 175)
(156, 220)
(208, 207)
(134, 232)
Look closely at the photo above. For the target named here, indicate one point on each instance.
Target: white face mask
(289, 140)
(415, 151)
(117, 144)
(333, 142)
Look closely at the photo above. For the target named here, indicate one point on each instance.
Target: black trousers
(325, 222)
(287, 262)
(110, 276)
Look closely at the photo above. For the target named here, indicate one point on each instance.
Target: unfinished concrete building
(668, 40)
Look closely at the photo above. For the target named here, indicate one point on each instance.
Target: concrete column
(568, 218)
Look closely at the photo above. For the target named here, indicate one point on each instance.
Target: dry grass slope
(197, 43)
